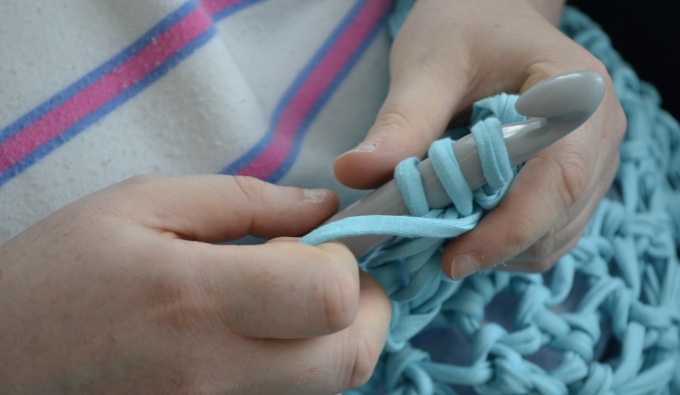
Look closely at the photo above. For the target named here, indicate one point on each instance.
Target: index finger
(543, 191)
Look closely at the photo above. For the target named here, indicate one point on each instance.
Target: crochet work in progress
(604, 320)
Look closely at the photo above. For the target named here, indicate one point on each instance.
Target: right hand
(123, 292)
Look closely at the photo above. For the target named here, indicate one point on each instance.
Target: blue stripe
(218, 16)
(102, 70)
(297, 143)
(250, 155)
(111, 105)
(99, 72)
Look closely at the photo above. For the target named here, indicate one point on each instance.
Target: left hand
(451, 53)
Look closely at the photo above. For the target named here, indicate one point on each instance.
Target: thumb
(426, 88)
(213, 208)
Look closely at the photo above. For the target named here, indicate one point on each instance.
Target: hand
(121, 292)
(450, 54)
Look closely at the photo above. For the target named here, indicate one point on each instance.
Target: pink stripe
(212, 7)
(310, 91)
(101, 91)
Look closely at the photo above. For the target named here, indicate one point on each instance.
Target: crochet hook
(556, 107)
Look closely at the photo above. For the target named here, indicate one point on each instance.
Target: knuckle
(179, 307)
(543, 248)
(142, 181)
(121, 199)
(618, 126)
(570, 174)
(340, 298)
(573, 175)
(596, 64)
(249, 188)
(518, 236)
(618, 116)
(544, 263)
(402, 120)
(145, 186)
(394, 119)
(540, 266)
(364, 360)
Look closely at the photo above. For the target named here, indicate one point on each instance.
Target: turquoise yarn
(605, 319)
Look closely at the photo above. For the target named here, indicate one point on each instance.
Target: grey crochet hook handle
(557, 106)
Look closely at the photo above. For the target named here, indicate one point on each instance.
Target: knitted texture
(605, 319)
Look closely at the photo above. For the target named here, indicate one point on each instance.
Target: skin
(124, 292)
(477, 48)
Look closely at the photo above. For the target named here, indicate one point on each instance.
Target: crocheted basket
(605, 319)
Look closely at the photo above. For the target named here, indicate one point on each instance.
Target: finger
(434, 76)
(440, 63)
(565, 235)
(547, 250)
(333, 363)
(568, 239)
(282, 290)
(546, 187)
(541, 256)
(427, 85)
(215, 208)
(547, 190)
(520, 264)
(549, 185)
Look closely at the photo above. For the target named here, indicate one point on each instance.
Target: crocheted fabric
(605, 319)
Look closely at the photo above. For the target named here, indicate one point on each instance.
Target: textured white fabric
(200, 116)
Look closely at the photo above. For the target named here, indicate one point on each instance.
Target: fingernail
(370, 144)
(366, 146)
(316, 195)
(463, 266)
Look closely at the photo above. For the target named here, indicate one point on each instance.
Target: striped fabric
(101, 91)
(273, 155)
(71, 112)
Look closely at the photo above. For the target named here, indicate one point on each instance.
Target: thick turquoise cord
(607, 315)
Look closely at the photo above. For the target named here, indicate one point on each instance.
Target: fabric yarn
(605, 319)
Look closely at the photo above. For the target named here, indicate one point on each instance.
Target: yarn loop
(605, 319)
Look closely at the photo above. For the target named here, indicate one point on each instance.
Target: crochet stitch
(605, 319)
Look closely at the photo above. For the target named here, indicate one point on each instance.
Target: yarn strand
(605, 319)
